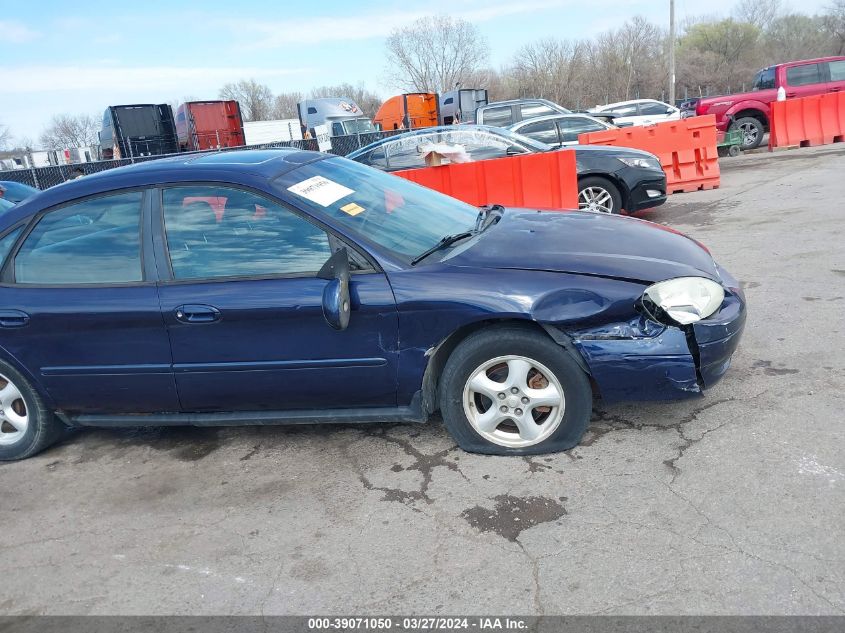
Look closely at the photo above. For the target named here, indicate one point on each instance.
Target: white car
(559, 130)
(640, 111)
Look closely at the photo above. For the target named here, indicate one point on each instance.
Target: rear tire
(27, 427)
(512, 391)
(599, 195)
(752, 132)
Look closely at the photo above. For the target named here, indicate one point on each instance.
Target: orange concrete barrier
(686, 149)
(535, 181)
(808, 121)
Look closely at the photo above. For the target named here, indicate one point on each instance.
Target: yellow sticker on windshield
(352, 208)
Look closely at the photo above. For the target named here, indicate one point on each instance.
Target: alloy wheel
(749, 134)
(14, 417)
(513, 401)
(595, 199)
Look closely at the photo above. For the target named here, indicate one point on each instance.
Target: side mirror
(336, 303)
(514, 150)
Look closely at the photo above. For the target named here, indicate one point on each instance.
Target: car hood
(610, 150)
(765, 96)
(586, 244)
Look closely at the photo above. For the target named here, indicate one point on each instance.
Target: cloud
(267, 34)
(16, 32)
(113, 79)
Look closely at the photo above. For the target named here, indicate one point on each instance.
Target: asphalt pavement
(729, 504)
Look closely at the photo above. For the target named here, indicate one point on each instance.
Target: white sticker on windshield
(320, 190)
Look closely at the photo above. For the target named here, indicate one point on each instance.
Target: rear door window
(804, 75)
(571, 128)
(543, 131)
(533, 110)
(97, 241)
(653, 108)
(500, 116)
(837, 70)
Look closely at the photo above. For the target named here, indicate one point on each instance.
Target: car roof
(552, 117)
(629, 102)
(462, 127)
(514, 101)
(246, 167)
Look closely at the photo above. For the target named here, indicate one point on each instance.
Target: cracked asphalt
(729, 504)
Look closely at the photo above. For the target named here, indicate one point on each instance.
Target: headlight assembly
(644, 163)
(683, 300)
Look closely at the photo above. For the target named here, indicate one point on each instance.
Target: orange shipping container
(409, 112)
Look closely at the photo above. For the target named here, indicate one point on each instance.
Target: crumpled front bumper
(644, 360)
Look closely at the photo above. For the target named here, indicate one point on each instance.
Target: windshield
(358, 126)
(388, 211)
(5, 205)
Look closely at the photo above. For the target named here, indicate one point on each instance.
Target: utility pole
(672, 52)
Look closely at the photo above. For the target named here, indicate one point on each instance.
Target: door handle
(13, 318)
(791, 94)
(197, 314)
(835, 89)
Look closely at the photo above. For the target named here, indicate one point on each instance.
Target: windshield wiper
(445, 241)
(488, 215)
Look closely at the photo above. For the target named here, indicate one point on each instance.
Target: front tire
(27, 427)
(752, 132)
(513, 391)
(599, 195)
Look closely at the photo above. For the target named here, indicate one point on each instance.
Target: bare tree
(760, 13)
(434, 53)
(255, 99)
(284, 106)
(69, 130)
(797, 36)
(368, 101)
(5, 137)
(834, 22)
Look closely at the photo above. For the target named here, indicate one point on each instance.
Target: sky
(79, 57)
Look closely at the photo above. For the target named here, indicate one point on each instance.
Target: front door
(79, 313)
(243, 309)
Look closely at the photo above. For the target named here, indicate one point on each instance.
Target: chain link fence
(45, 177)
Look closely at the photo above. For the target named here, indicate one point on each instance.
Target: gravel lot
(730, 504)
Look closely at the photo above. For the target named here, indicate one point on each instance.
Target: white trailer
(259, 132)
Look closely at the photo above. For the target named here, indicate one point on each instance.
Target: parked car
(209, 125)
(506, 113)
(138, 130)
(610, 179)
(460, 105)
(639, 112)
(558, 130)
(129, 300)
(409, 111)
(748, 112)
(14, 192)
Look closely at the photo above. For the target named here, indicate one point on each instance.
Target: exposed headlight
(645, 163)
(684, 299)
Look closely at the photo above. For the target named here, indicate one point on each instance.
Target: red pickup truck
(749, 111)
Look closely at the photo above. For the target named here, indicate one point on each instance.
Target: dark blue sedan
(265, 287)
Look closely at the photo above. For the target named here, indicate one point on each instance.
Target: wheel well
(442, 352)
(620, 186)
(754, 114)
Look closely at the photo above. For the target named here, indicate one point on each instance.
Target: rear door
(804, 80)
(80, 310)
(836, 75)
(243, 308)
